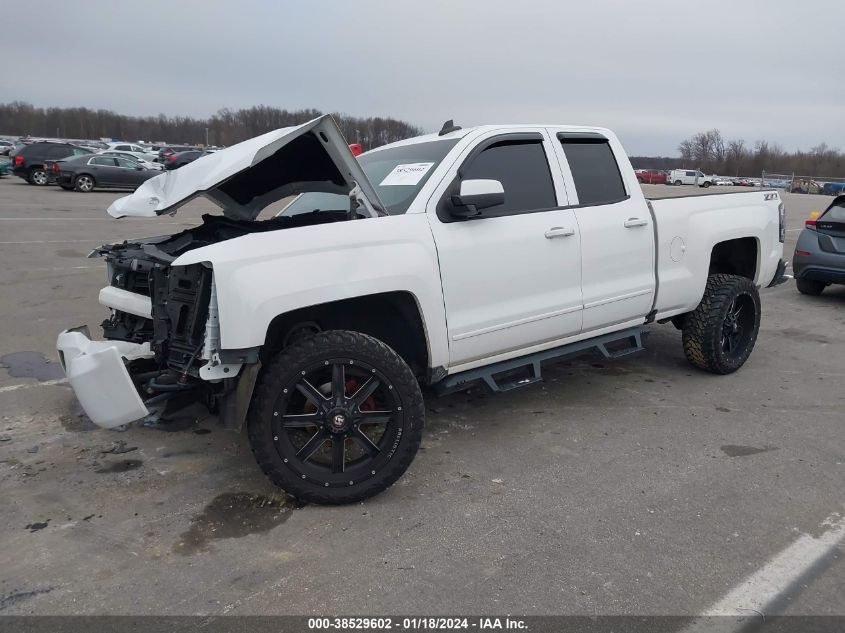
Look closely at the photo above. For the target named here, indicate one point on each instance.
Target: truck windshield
(397, 173)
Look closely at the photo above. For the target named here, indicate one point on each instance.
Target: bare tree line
(712, 153)
(226, 127)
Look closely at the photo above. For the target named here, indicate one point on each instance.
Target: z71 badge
(770, 196)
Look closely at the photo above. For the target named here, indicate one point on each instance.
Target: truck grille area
(131, 273)
(180, 297)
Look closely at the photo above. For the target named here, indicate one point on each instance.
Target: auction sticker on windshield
(407, 174)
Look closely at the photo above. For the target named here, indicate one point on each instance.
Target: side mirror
(476, 195)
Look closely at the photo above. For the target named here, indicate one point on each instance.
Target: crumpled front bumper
(97, 372)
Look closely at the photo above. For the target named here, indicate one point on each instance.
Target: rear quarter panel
(687, 230)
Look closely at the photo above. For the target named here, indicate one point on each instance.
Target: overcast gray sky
(654, 71)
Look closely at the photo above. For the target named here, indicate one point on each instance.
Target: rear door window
(125, 162)
(102, 161)
(594, 170)
(522, 168)
(57, 151)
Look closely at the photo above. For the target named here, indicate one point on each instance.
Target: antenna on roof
(449, 126)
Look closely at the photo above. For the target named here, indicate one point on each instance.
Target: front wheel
(720, 333)
(337, 417)
(705, 184)
(677, 183)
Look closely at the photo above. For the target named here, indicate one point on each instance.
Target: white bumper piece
(98, 375)
(126, 301)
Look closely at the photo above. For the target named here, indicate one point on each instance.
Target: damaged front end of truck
(161, 347)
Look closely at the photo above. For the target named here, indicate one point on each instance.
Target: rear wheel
(720, 333)
(38, 176)
(810, 286)
(84, 183)
(337, 417)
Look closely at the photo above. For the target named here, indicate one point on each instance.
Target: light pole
(206, 137)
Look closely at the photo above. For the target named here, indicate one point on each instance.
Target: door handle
(559, 231)
(632, 222)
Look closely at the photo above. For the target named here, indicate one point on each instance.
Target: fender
(262, 275)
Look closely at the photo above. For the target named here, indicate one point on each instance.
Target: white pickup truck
(464, 257)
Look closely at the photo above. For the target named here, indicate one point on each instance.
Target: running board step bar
(527, 370)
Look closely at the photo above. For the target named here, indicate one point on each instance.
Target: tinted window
(523, 170)
(835, 214)
(103, 161)
(594, 170)
(58, 151)
(80, 151)
(123, 148)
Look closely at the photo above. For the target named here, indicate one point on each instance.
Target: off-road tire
(703, 327)
(810, 287)
(286, 367)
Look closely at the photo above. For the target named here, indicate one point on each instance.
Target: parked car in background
(721, 181)
(29, 161)
(819, 258)
(144, 163)
(833, 188)
(689, 177)
(651, 176)
(86, 173)
(6, 147)
(164, 152)
(805, 185)
(4, 167)
(180, 159)
(135, 150)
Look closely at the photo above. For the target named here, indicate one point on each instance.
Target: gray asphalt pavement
(640, 486)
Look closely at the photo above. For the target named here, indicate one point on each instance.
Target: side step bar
(527, 370)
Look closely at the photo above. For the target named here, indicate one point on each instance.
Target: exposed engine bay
(181, 327)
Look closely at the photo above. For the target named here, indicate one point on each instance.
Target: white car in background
(147, 164)
(137, 151)
(721, 181)
(689, 177)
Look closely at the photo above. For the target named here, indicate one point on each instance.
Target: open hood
(245, 178)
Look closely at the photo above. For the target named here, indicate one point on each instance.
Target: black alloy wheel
(337, 417)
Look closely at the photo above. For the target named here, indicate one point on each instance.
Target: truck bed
(689, 226)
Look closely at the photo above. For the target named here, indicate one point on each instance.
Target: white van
(689, 177)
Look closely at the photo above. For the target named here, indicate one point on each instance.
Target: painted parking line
(57, 242)
(30, 385)
(784, 576)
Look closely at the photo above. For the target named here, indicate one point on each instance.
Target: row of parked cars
(108, 165)
(692, 177)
